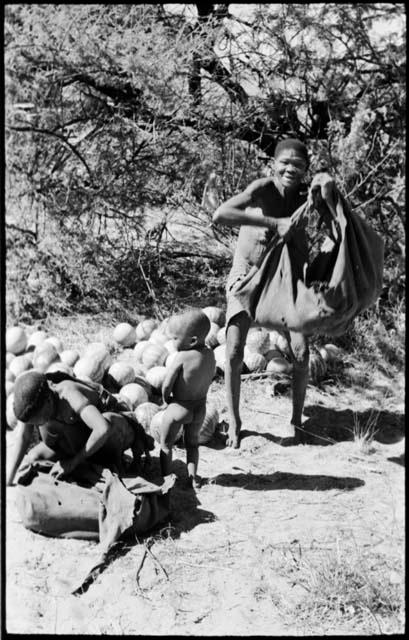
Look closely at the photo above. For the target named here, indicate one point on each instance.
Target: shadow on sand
(292, 481)
(326, 426)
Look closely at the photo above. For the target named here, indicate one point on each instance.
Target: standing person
(273, 200)
(185, 389)
(77, 421)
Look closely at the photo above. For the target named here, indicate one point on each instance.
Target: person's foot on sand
(233, 438)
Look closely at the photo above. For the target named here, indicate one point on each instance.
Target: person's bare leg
(235, 340)
(299, 351)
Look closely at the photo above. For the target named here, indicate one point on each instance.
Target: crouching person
(77, 422)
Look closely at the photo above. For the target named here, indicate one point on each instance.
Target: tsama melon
(279, 365)
(255, 362)
(215, 314)
(154, 355)
(121, 373)
(211, 338)
(8, 387)
(140, 348)
(44, 355)
(158, 337)
(209, 425)
(16, 340)
(145, 328)
(221, 335)
(56, 342)
(171, 359)
(62, 367)
(10, 415)
(9, 357)
(144, 414)
(19, 365)
(94, 363)
(258, 341)
(124, 334)
(155, 376)
(9, 376)
(135, 393)
(69, 356)
(36, 338)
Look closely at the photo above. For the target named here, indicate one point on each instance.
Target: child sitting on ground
(78, 421)
(185, 389)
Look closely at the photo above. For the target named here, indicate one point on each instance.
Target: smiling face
(289, 168)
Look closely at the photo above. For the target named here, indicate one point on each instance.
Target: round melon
(70, 356)
(282, 345)
(316, 367)
(36, 338)
(209, 425)
(134, 393)
(121, 373)
(220, 357)
(274, 337)
(9, 376)
(258, 341)
(279, 365)
(211, 338)
(9, 387)
(144, 414)
(63, 367)
(19, 365)
(255, 362)
(94, 363)
(158, 337)
(140, 348)
(44, 355)
(170, 346)
(332, 353)
(145, 328)
(10, 415)
(16, 340)
(9, 358)
(124, 334)
(154, 355)
(155, 376)
(221, 335)
(56, 342)
(216, 315)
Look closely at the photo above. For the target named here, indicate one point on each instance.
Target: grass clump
(349, 587)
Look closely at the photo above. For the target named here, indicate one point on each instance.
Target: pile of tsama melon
(133, 366)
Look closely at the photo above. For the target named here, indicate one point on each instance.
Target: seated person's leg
(174, 417)
(120, 439)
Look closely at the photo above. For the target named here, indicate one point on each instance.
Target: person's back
(195, 376)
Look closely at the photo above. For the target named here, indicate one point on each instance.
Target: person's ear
(193, 341)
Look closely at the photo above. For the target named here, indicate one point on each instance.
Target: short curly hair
(30, 392)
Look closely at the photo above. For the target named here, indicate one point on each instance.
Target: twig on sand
(263, 374)
(147, 551)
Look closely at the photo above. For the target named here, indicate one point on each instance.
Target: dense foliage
(117, 111)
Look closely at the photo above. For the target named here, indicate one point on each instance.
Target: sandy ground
(249, 553)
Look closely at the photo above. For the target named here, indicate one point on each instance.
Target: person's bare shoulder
(260, 184)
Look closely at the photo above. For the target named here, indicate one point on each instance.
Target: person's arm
(100, 430)
(170, 379)
(24, 434)
(234, 213)
(327, 189)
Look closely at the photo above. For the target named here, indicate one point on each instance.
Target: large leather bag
(289, 291)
